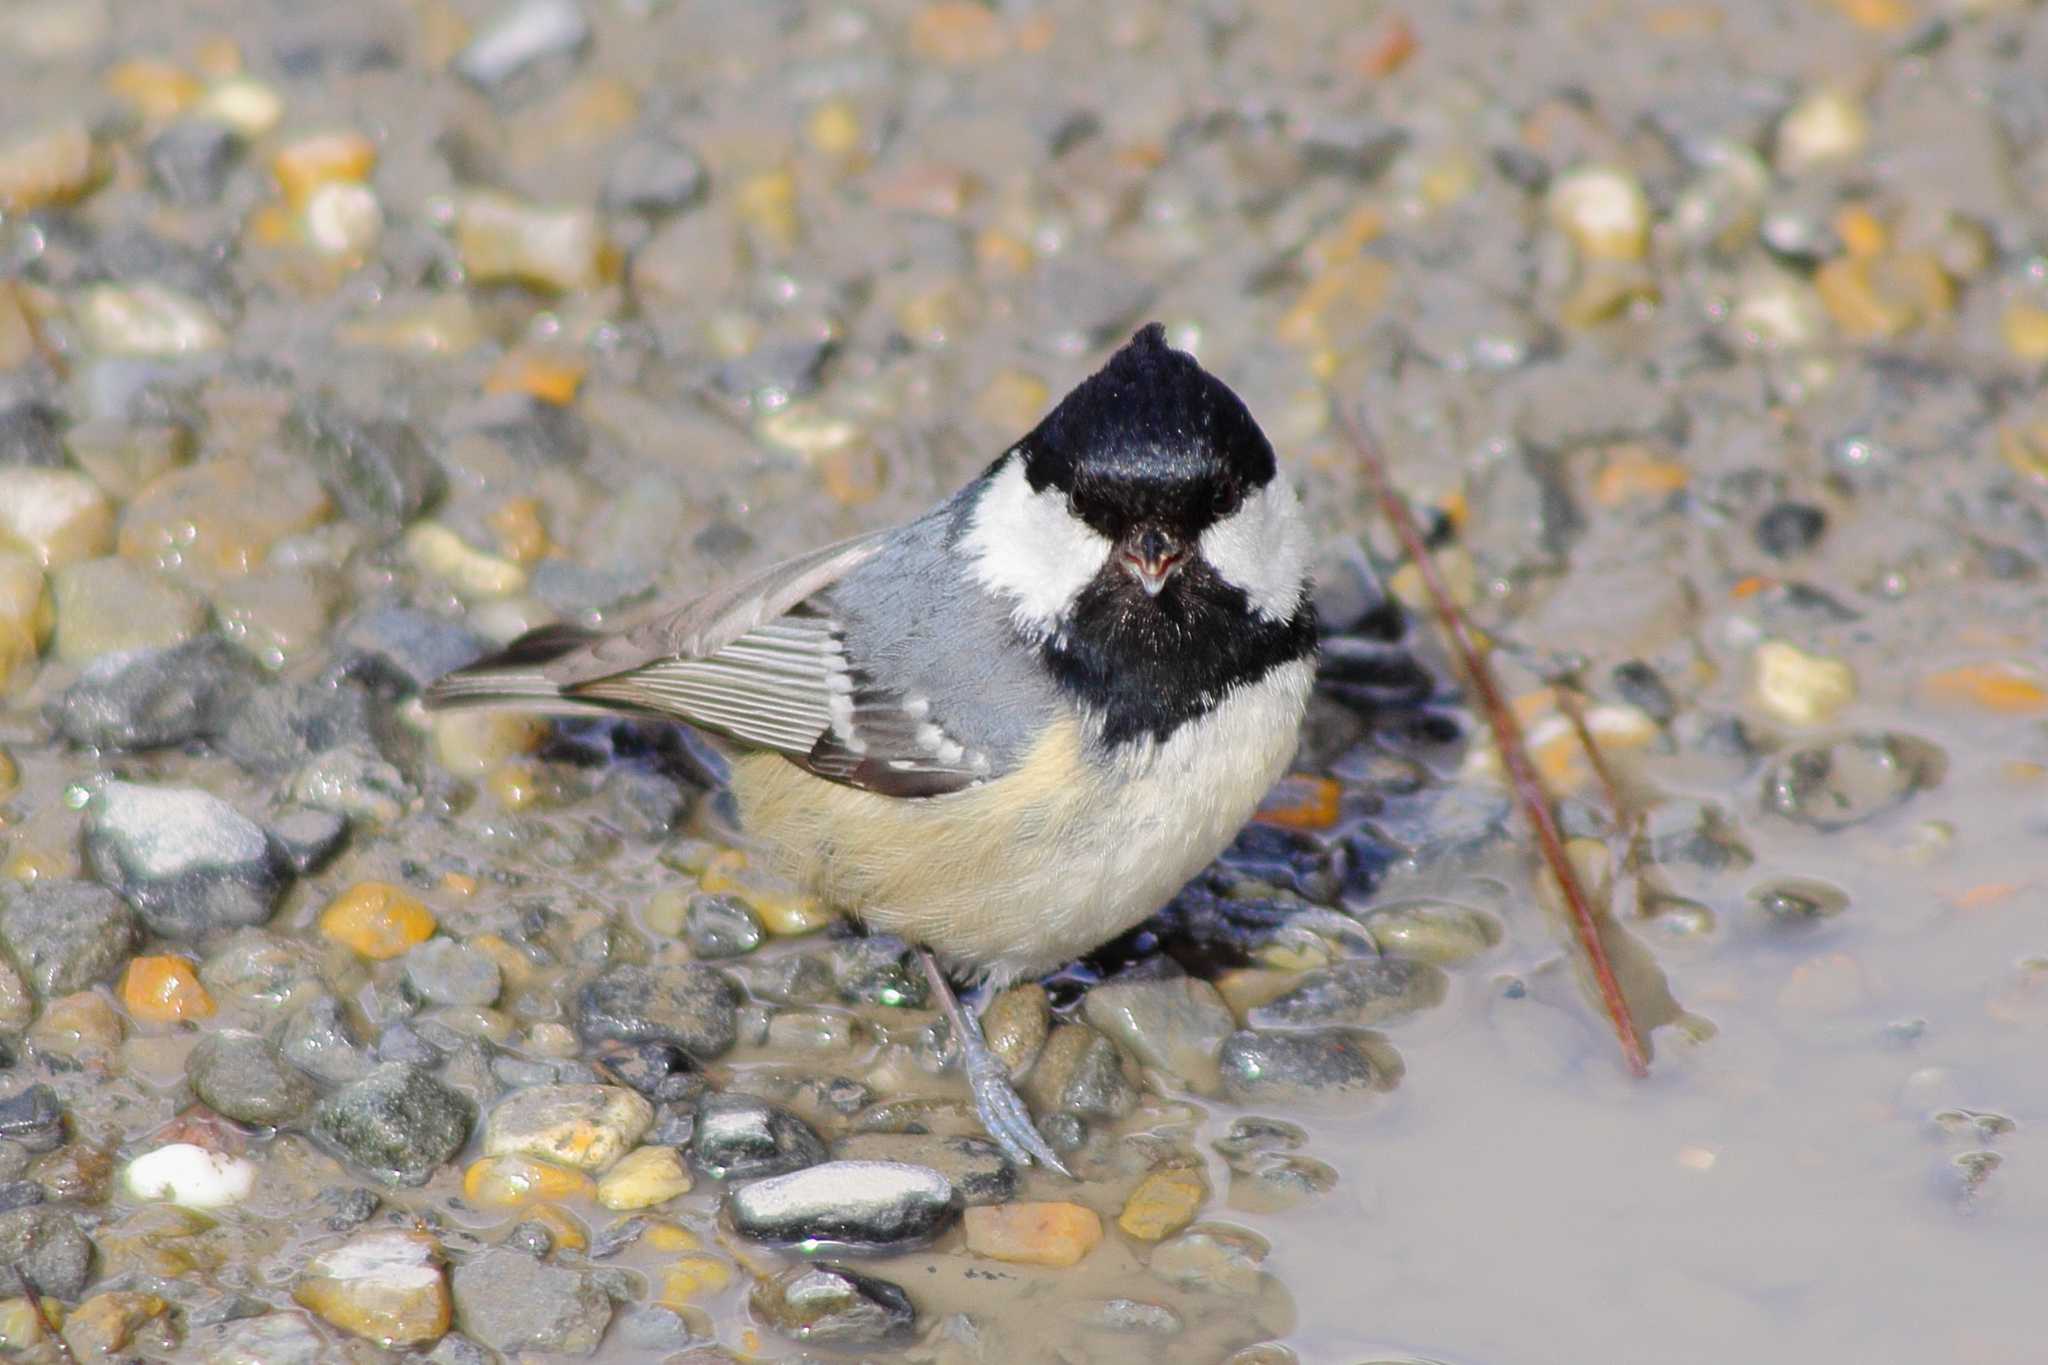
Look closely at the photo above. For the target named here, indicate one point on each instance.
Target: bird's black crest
(1149, 437)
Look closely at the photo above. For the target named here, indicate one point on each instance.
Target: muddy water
(1710, 337)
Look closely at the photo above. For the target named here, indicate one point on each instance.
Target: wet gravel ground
(338, 343)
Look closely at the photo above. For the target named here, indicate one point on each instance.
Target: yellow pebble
(550, 378)
(10, 775)
(1054, 1234)
(642, 1178)
(1798, 687)
(569, 1234)
(376, 920)
(694, 1277)
(662, 1235)
(1862, 232)
(305, 164)
(157, 89)
(2025, 329)
(1163, 1204)
(160, 989)
(834, 128)
(511, 1182)
(767, 203)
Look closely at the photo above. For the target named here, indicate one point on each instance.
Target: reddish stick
(1507, 737)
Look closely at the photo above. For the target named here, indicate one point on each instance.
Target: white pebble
(249, 107)
(1828, 125)
(1604, 211)
(146, 320)
(190, 1176)
(343, 218)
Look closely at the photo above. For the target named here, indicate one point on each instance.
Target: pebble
(1432, 931)
(522, 35)
(17, 1002)
(377, 469)
(385, 1286)
(694, 1277)
(189, 1176)
(240, 1076)
(1799, 688)
(1828, 126)
(515, 1182)
(350, 782)
(1603, 210)
(26, 616)
(654, 175)
(1357, 993)
(190, 160)
(309, 839)
(1853, 779)
(146, 320)
(661, 1071)
(48, 166)
(83, 1027)
(1796, 901)
(218, 520)
(1174, 1026)
(57, 515)
(829, 1305)
(398, 1123)
(975, 1167)
(438, 551)
(46, 1244)
(65, 935)
(1015, 1025)
(318, 1040)
(155, 698)
(742, 1138)
(377, 920)
(188, 862)
(1213, 1258)
(107, 606)
(1163, 1203)
(1081, 1072)
(123, 457)
(692, 1006)
(105, 1325)
(1790, 529)
(446, 972)
(643, 1178)
(502, 239)
(248, 106)
(511, 1302)
(28, 435)
(1294, 1066)
(159, 989)
(585, 1127)
(472, 743)
(1054, 1234)
(871, 1205)
(720, 927)
(268, 1339)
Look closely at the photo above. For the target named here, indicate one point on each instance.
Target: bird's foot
(996, 1102)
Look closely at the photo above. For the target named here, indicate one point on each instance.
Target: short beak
(1151, 557)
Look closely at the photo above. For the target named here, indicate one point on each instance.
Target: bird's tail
(516, 676)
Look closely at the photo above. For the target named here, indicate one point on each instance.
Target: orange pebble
(1300, 801)
(2011, 689)
(163, 990)
(550, 378)
(376, 920)
(307, 163)
(1032, 1234)
(511, 1182)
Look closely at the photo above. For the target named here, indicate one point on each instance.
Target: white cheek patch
(1030, 548)
(1262, 549)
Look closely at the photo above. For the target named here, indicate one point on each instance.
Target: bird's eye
(1220, 499)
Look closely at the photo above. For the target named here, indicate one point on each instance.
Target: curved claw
(1002, 1112)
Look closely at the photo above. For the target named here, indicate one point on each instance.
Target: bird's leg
(996, 1101)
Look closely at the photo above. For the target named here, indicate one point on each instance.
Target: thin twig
(35, 1305)
(1507, 735)
(1568, 702)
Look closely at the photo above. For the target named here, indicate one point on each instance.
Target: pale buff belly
(1051, 860)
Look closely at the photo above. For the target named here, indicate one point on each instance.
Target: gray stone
(318, 1041)
(695, 1007)
(511, 1302)
(65, 935)
(262, 971)
(447, 972)
(283, 725)
(353, 782)
(406, 647)
(1857, 778)
(240, 1076)
(378, 470)
(398, 1123)
(1301, 1065)
(720, 926)
(308, 838)
(190, 160)
(457, 1349)
(522, 35)
(975, 1167)
(157, 697)
(831, 1305)
(1080, 1071)
(871, 1205)
(45, 1243)
(29, 435)
(654, 175)
(643, 805)
(741, 1138)
(1174, 1025)
(272, 1339)
(1358, 993)
(188, 862)
(32, 1119)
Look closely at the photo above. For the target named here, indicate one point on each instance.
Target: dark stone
(317, 1040)
(775, 374)
(308, 838)
(33, 1119)
(65, 935)
(1790, 528)
(976, 1167)
(1799, 901)
(405, 649)
(1833, 786)
(695, 1007)
(283, 725)
(831, 1305)
(1358, 147)
(871, 1205)
(1082, 1072)
(19, 1194)
(1641, 687)
(398, 1123)
(654, 175)
(1360, 992)
(189, 863)
(511, 1302)
(529, 428)
(240, 1076)
(378, 470)
(189, 162)
(44, 1243)
(660, 1070)
(350, 1208)
(720, 926)
(30, 435)
(741, 1138)
(157, 697)
(1259, 1066)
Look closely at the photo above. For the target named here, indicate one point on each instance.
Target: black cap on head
(1149, 436)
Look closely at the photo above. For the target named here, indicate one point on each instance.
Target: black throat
(1145, 666)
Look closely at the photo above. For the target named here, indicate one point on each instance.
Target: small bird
(1010, 729)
